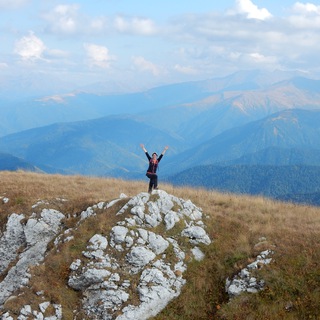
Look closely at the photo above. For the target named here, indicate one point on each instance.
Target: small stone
(197, 253)
(43, 306)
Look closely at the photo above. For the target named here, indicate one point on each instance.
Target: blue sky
(134, 45)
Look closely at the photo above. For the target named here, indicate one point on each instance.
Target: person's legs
(150, 185)
(155, 182)
(152, 181)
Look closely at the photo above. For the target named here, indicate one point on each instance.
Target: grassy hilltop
(236, 224)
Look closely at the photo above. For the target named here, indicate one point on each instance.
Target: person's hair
(155, 154)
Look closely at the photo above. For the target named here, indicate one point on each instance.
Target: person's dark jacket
(153, 166)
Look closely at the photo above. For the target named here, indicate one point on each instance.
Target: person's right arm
(145, 151)
(143, 148)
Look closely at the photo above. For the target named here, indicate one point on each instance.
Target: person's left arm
(163, 152)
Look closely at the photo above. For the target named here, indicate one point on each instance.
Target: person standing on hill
(153, 166)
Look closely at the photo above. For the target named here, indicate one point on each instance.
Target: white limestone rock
(87, 213)
(159, 281)
(12, 239)
(38, 233)
(133, 261)
(26, 310)
(88, 278)
(157, 243)
(170, 219)
(98, 242)
(140, 256)
(197, 253)
(196, 235)
(118, 234)
(6, 316)
(5, 200)
(243, 281)
(43, 306)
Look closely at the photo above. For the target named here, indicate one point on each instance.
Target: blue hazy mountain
(195, 110)
(275, 137)
(111, 144)
(104, 146)
(245, 119)
(9, 162)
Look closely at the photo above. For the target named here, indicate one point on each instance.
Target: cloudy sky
(139, 44)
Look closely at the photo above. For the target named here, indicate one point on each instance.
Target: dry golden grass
(235, 223)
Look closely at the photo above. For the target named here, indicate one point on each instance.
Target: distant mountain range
(247, 120)
(104, 146)
(194, 110)
(286, 137)
(11, 163)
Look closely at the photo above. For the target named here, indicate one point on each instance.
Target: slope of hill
(278, 156)
(289, 129)
(105, 285)
(76, 268)
(105, 146)
(280, 182)
(11, 163)
(202, 119)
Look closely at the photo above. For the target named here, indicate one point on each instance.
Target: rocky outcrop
(34, 237)
(131, 273)
(245, 281)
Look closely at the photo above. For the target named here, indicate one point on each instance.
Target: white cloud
(12, 4)
(3, 65)
(98, 55)
(248, 8)
(260, 58)
(306, 8)
(213, 43)
(144, 65)
(306, 16)
(134, 25)
(63, 19)
(190, 46)
(30, 47)
(185, 69)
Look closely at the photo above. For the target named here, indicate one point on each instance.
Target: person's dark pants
(153, 183)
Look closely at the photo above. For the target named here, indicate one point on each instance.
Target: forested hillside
(292, 183)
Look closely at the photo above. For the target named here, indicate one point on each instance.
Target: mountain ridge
(243, 118)
(277, 130)
(31, 112)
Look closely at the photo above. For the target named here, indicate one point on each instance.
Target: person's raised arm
(165, 149)
(143, 148)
